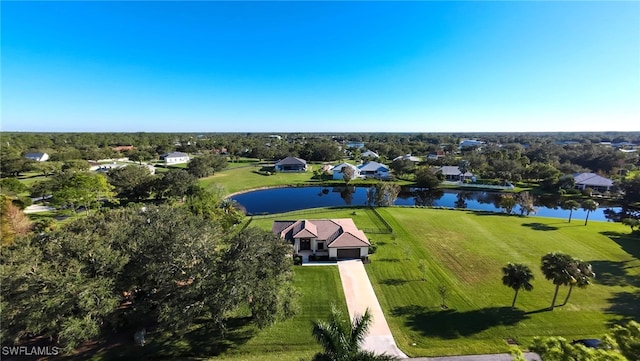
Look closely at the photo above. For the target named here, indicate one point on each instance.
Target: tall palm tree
(518, 277)
(342, 340)
(571, 205)
(589, 205)
(582, 273)
(557, 268)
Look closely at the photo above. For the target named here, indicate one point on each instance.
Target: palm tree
(571, 205)
(582, 272)
(518, 277)
(557, 268)
(589, 205)
(342, 340)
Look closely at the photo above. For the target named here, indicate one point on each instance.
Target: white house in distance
(408, 157)
(593, 181)
(336, 238)
(452, 173)
(291, 164)
(338, 170)
(374, 170)
(470, 143)
(37, 156)
(370, 154)
(175, 158)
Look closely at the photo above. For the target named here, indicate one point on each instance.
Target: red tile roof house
(291, 164)
(336, 238)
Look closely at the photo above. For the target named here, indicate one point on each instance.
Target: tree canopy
(135, 267)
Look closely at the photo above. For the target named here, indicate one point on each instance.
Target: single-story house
(291, 164)
(337, 170)
(104, 168)
(470, 143)
(593, 181)
(175, 158)
(37, 156)
(374, 170)
(354, 144)
(408, 157)
(437, 155)
(370, 154)
(453, 174)
(336, 238)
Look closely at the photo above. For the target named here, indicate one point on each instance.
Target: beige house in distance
(336, 238)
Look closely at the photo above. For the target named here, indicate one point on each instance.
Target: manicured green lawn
(464, 251)
(289, 340)
(240, 179)
(319, 287)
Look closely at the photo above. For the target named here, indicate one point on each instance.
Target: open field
(240, 179)
(237, 179)
(464, 251)
(319, 287)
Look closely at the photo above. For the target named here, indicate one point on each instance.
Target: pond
(279, 200)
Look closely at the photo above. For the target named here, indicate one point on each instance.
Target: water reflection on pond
(279, 200)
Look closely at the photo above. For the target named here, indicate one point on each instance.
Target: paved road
(360, 296)
(37, 208)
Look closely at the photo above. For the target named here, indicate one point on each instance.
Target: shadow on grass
(610, 273)
(393, 282)
(388, 260)
(451, 324)
(540, 226)
(630, 242)
(625, 304)
(204, 340)
(489, 213)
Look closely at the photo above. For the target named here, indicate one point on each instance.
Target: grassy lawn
(236, 179)
(240, 179)
(464, 251)
(291, 339)
(319, 287)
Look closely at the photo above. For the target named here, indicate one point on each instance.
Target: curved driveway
(359, 295)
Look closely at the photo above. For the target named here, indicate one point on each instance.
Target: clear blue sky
(320, 66)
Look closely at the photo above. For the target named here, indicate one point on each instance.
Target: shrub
(297, 260)
(373, 248)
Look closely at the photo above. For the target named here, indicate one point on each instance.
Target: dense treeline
(140, 267)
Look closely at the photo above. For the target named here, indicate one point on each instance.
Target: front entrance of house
(305, 244)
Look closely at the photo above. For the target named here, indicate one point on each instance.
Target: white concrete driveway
(360, 296)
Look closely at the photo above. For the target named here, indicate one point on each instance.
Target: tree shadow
(540, 226)
(393, 282)
(610, 273)
(629, 242)
(625, 304)
(489, 213)
(451, 324)
(204, 340)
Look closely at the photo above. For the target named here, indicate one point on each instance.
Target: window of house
(320, 245)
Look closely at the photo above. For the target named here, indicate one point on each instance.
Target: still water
(279, 200)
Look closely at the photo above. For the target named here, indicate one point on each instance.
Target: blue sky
(320, 66)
